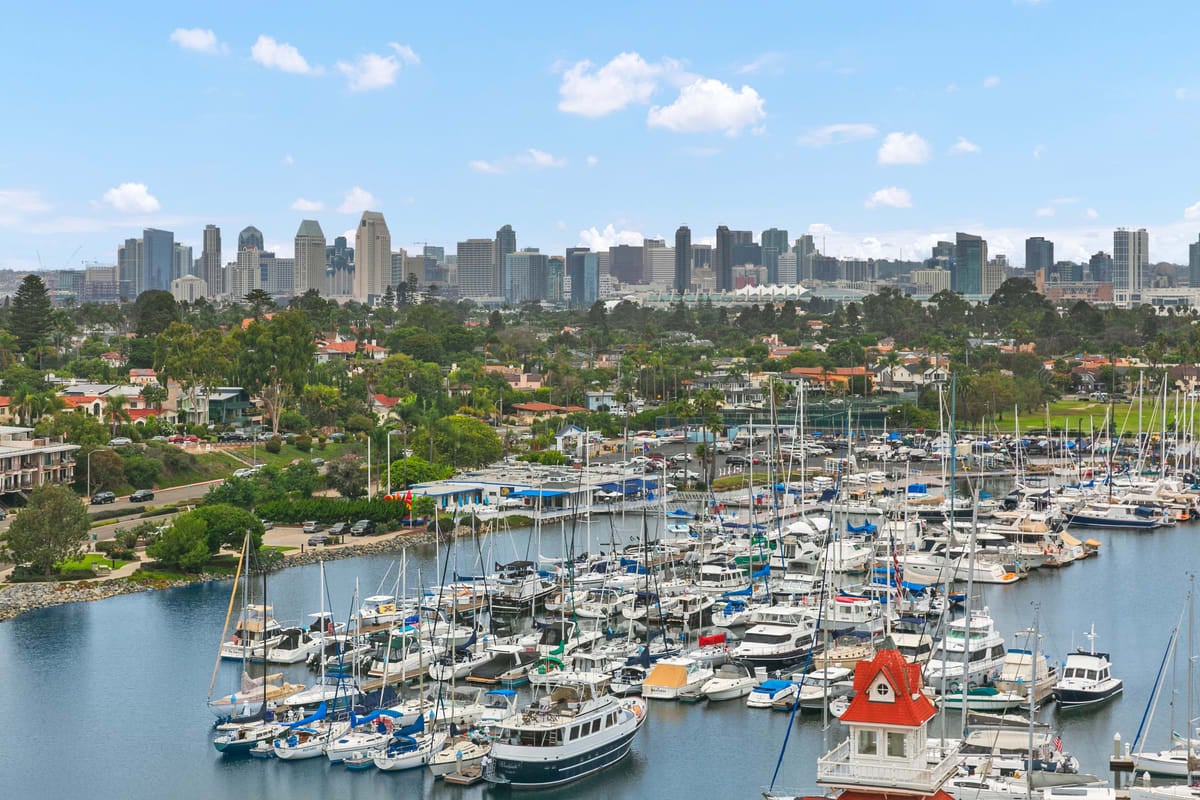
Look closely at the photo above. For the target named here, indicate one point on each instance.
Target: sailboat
(1182, 758)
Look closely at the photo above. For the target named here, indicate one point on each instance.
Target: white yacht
(1087, 677)
(976, 638)
(778, 636)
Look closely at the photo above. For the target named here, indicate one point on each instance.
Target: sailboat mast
(1033, 678)
(228, 613)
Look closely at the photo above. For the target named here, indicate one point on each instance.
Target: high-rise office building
(211, 271)
(1100, 267)
(747, 253)
(788, 267)
(774, 244)
(158, 260)
(278, 275)
(805, 250)
(1194, 264)
(372, 257)
(476, 268)
(506, 242)
(244, 275)
(525, 271)
(433, 258)
(129, 268)
(555, 271)
(339, 268)
(701, 257)
(742, 237)
(1131, 261)
(182, 262)
(310, 257)
(250, 237)
(723, 259)
(1039, 254)
(995, 272)
(625, 263)
(970, 256)
(589, 292)
(683, 259)
(658, 263)
(573, 271)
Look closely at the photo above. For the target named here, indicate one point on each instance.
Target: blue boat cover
(316, 716)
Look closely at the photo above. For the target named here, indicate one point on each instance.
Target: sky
(880, 127)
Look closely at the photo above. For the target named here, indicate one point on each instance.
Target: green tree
(414, 469)
(75, 427)
(116, 409)
(466, 442)
(273, 359)
(234, 491)
(52, 527)
(260, 302)
(195, 360)
(154, 394)
(184, 545)
(153, 312)
(29, 317)
(347, 476)
(226, 526)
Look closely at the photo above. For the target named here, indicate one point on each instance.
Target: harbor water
(107, 699)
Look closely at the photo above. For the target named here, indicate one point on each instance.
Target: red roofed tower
(887, 756)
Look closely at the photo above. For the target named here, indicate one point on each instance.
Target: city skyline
(866, 137)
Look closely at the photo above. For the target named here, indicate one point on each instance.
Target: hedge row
(113, 513)
(328, 510)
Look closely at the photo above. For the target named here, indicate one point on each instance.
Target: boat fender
(637, 710)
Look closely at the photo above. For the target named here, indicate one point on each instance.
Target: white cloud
(1092, 213)
(891, 197)
(1047, 211)
(1192, 212)
(991, 81)
(22, 201)
(1038, 150)
(357, 200)
(131, 197)
(964, 145)
(202, 40)
(288, 160)
(373, 71)
(592, 161)
(628, 78)
(609, 237)
(281, 56)
(710, 105)
(820, 229)
(300, 204)
(903, 148)
(531, 158)
(838, 133)
(770, 62)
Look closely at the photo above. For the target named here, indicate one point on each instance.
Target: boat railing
(838, 768)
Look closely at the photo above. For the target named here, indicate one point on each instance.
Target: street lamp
(404, 432)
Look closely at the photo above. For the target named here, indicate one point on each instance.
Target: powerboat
(977, 638)
(1087, 677)
(767, 693)
(731, 681)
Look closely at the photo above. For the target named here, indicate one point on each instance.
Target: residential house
(26, 461)
(143, 377)
(113, 359)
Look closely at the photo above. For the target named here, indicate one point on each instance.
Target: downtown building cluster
(495, 271)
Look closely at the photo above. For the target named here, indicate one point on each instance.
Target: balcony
(838, 769)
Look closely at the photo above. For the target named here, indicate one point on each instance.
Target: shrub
(127, 538)
(274, 445)
(162, 511)
(293, 422)
(113, 513)
(75, 574)
(332, 509)
(303, 443)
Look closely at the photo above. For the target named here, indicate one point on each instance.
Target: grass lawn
(1088, 415)
(288, 453)
(92, 558)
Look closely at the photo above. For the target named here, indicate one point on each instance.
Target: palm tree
(116, 409)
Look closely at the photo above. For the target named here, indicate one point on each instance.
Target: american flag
(1058, 743)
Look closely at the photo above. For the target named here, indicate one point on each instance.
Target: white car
(119, 441)
(244, 472)
(723, 446)
(639, 460)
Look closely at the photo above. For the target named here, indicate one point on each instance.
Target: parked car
(364, 527)
(318, 462)
(312, 526)
(267, 524)
(339, 529)
(736, 461)
(244, 472)
(318, 539)
(100, 498)
(119, 441)
(141, 496)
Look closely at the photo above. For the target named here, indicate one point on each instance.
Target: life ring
(637, 710)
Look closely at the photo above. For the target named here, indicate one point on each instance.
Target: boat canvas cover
(706, 641)
(316, 716)
(667, 675)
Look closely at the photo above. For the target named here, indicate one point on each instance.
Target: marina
(100, 671)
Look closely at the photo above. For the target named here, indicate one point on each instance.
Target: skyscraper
(129, 267)
(573, 271)
(742, 237)
(1100, 265)
(626, 262)
(1194, 264)
(774, 244)
(1131, 258)
(372, 257)
(250, 237)
(970, 256)
(339, 268)
(310, 257)
(723, 259)
(658, 263)
(245, 275)
(1039, 254)
(525, 272)
(182, 261)
(805, 249)
(555, 269)
(158, 260)
(506, 242)
(586, 294)
(476, 268)
(210, 261)
(683, 259)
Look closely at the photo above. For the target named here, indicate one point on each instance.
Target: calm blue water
(106, 700)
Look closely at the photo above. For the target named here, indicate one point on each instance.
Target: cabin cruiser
(670, 676)
(731, 681)
(1087, 677)
(778, 636)
(977, 638)
(255, 633)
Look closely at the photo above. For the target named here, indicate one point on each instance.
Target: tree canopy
(53, 527)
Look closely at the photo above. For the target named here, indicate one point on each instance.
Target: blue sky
(880, 126)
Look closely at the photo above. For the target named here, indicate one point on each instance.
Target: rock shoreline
(17, 598)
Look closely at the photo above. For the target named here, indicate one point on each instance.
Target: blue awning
(537, 493)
